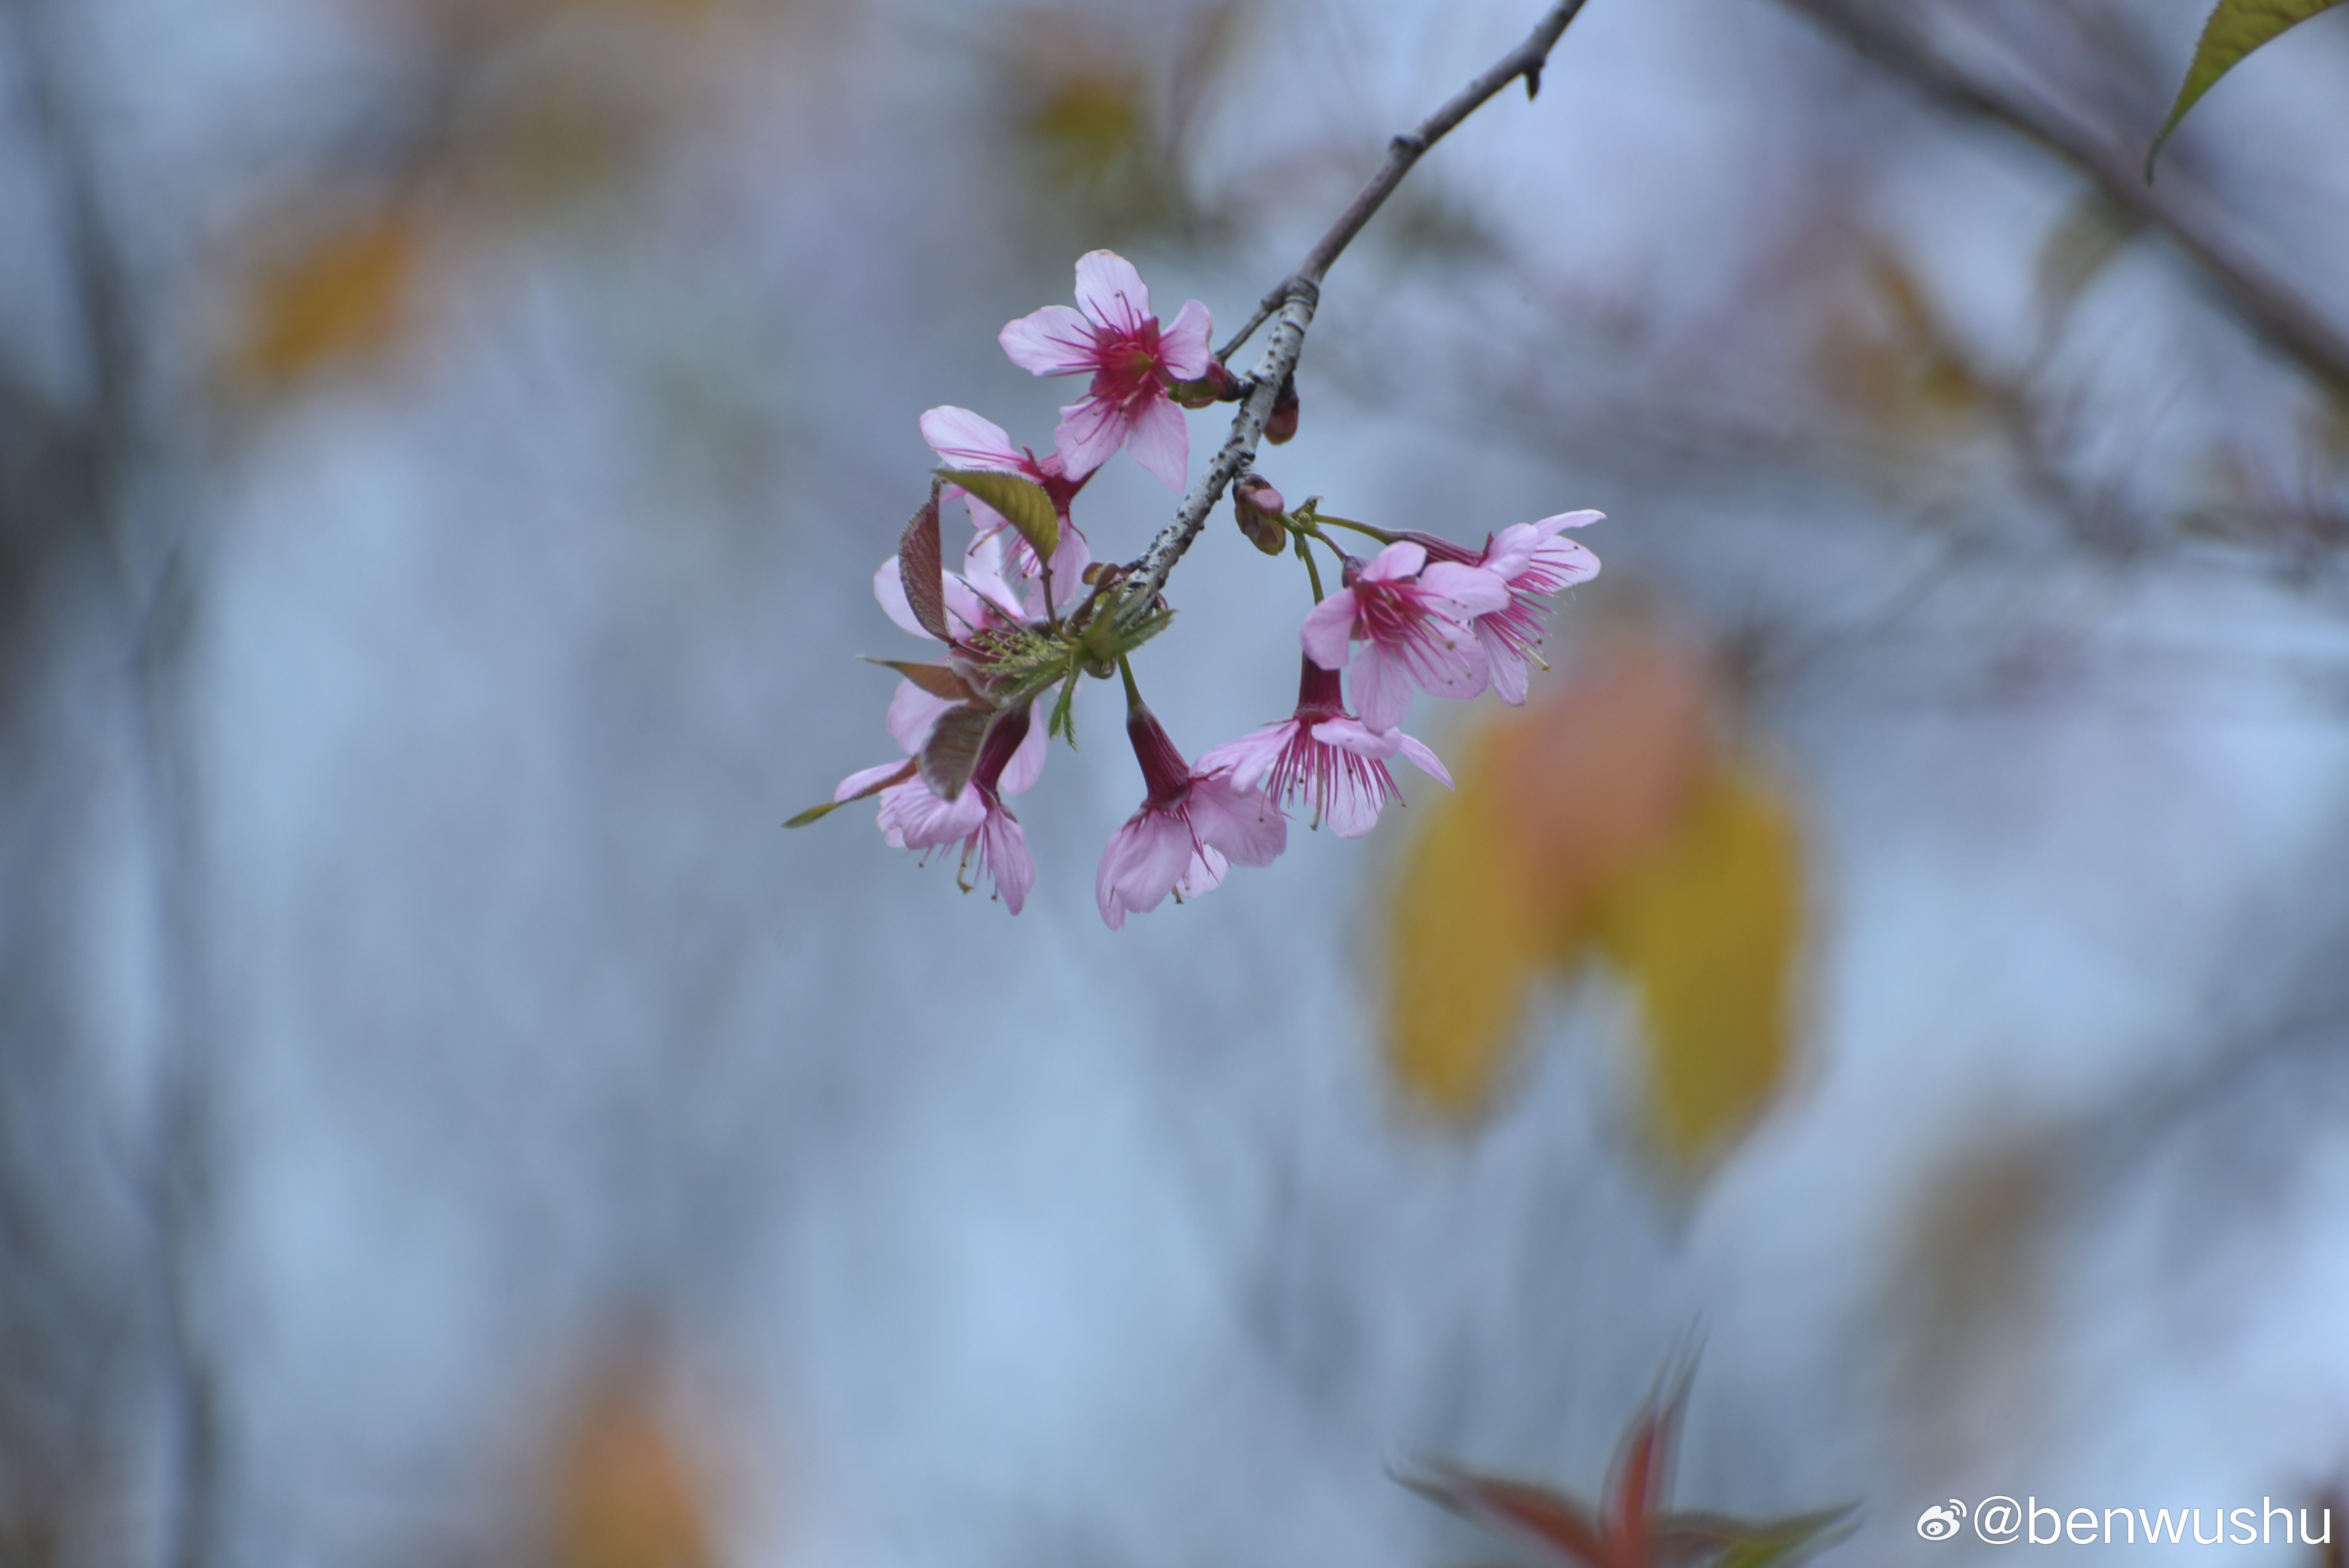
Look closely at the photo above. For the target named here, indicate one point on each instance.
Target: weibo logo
(1941, 1521)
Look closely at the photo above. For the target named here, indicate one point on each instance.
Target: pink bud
(1257, 508)
(1283, 423)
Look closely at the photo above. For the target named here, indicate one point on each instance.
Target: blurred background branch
(1955, 55)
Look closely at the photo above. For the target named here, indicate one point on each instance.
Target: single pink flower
(966, 440)
(1413, 616)
(913, 816)
(1191, 825)
(1325, 755)
(1533, 563)
(1113, 338)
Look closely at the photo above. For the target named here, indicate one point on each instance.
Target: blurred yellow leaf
(339, 297)
(1465, 944)
(625, 1496)
(1604, 823)
(1706, 933)
(1887, 355)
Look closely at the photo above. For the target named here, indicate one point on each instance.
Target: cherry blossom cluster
(1024, 611)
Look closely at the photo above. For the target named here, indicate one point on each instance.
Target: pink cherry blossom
(967, 440)
(977, 599)
(1413, 618)
(914, 817)
(1325, 755)
(1534, 565)
(1191, 827)
(1113, 338)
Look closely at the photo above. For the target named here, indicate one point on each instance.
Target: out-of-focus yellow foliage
(1605, 823)
(1706, 931)
(337, 297)
(1887, 355)
(520, 110)
(1465, 941)
(625, 1495)
(1105, 115)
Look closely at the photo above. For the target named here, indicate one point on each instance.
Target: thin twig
(177, 1179)
(1293, 301)
(2266, 303)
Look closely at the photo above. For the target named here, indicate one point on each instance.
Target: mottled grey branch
(1301, 291)
(2264, 301)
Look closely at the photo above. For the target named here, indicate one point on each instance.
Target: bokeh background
(444, 447)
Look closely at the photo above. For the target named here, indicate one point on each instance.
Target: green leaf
(815, 813)
(922, 570)
(1064, 721)
(2236, 27)
(1025, 503)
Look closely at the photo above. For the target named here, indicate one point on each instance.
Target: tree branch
(2268, 304)
(1294, 300)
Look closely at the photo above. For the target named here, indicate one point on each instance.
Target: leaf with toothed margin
(951, 754)
(1063, 722)
(814, 813)
(923, 570)
(938, 680)
(2236, 27)
(1022, 500)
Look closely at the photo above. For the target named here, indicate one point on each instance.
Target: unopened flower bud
(1283, 423)
(1258, 507)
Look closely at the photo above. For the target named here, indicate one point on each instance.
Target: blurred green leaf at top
(2236, 27)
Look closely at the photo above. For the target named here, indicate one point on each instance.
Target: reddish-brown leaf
(923, 569)
(938, 680)
(951, 754)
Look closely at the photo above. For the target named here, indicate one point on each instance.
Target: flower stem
(1133, 692)
(1305, 553)
(1381, 534)
(1291, 301)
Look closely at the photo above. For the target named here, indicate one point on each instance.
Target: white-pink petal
(1246, 825)
(1568, 560)
(1584, 518)
(889, 588)
(864, 778)
(1161, 442)
(1424, 759)
(1145, 862)
(1329, 628)
(1070, 560)
(1382, 688)
(1003, 845)
(1184, 344)
(967, 440)
(1353, 734)
(912, 818)
(1053, 341)
(1027, 764)
(1248, 759)
(1088, 435)
(983, 579)
(1474, 590)
(1111, 291)
(1400, 560)
(1511, 676)
(913, 714)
